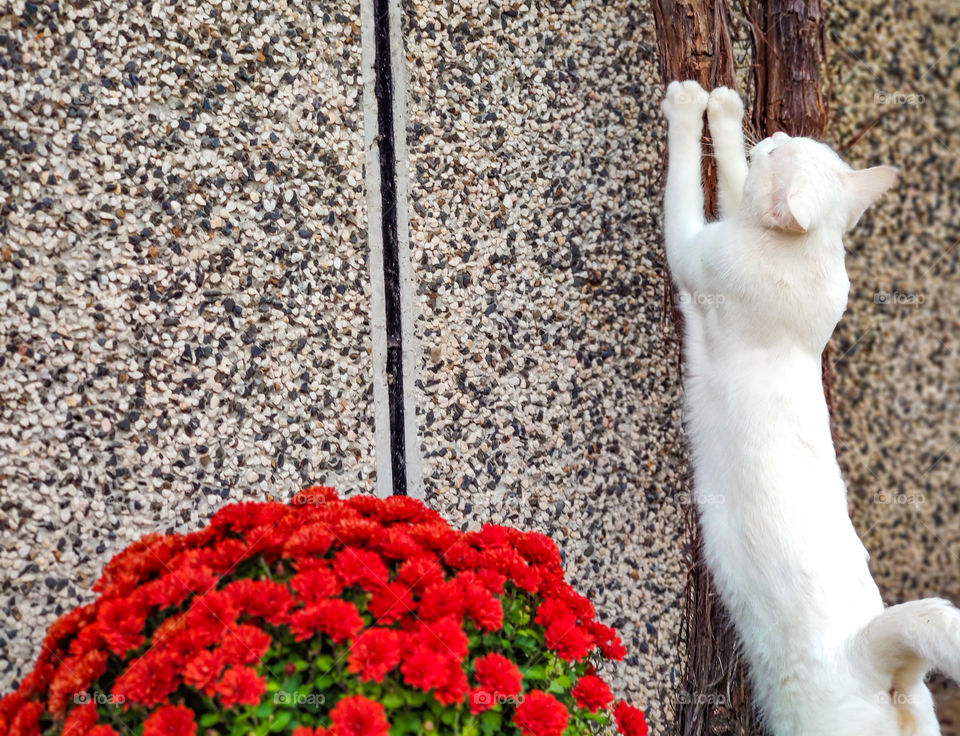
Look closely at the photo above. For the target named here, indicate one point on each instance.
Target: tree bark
(789, 48)
(695, 40)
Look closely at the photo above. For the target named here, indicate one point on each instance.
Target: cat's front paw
(684, 101)
(724, 105)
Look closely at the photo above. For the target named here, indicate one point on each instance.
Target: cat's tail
(908, 640)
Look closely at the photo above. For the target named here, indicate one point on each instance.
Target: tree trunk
(695, 40)
(789, 43)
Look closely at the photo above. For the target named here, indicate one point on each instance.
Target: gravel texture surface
(897, 352)
(184, 296)
(548, 392)
(183, 279)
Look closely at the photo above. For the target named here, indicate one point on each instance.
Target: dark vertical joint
(383, 89)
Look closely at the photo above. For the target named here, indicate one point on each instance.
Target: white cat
(761, 291)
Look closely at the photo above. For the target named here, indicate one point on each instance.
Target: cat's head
(798, 185)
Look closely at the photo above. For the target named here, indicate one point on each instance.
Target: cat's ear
(792, 208)
(865, 187)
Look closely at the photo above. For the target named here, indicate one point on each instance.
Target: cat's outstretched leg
(683, 108)
(725, 115)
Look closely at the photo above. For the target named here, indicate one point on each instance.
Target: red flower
(391, 602)
(592, 693)
(336, 618)
(433, 649)
(375, 653)
(70, 623)
(538, 549)
(497, 679)
(563, 635)
(360, 567)
(404, 508)
(212, 613)
(74, 676)
(492, 580)
(540, 715)
(399, 560)
(490, 535)
(313, 540)
(461, 556)
(136, 564)
(355, 715)
(582, 607)
(203, 671)
(397, 544)
(265, 599)
(508, 561)
(170, 720)
(240, 685)
(240, 517)
(497, 674)
(227, 554)
(454, 686)
(424, 668)
(316, 584)
(630, 720)
(610, 644)
(483, 609)
(26, 721)
(171, 589)
(80, 720)
(436, 535)
(445, 599)
(419, 573)
(445, 636)
(121, 625)
(148, 680)
(244, 644)
(356, 531)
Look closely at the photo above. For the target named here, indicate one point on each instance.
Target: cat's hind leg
(725, 115)
(683, 106)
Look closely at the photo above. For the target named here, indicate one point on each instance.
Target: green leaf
(208, 719)
(527, 644)
(282, 719)
(491, 722)
(265, 709)
(392, 700)
(536, 672)
(404, 724)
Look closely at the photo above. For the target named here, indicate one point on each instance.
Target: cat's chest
(790, 294)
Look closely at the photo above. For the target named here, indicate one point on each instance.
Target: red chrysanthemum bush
(327, 617)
